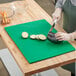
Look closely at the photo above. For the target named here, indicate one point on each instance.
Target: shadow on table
(6, 1)
(3, 70)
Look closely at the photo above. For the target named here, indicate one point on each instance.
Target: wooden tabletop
(27, 11)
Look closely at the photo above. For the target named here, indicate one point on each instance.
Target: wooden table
(26, 11)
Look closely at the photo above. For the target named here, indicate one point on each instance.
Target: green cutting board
(36, 50)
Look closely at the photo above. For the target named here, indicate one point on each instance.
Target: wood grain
(27, 11)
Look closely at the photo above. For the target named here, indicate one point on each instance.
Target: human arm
(58, 10)
(65, 36)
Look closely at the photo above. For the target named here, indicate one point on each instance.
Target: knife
(55, 21)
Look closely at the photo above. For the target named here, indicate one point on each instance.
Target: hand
(57, 14)
(64, 36)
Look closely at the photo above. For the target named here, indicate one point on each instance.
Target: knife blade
(55, 21)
